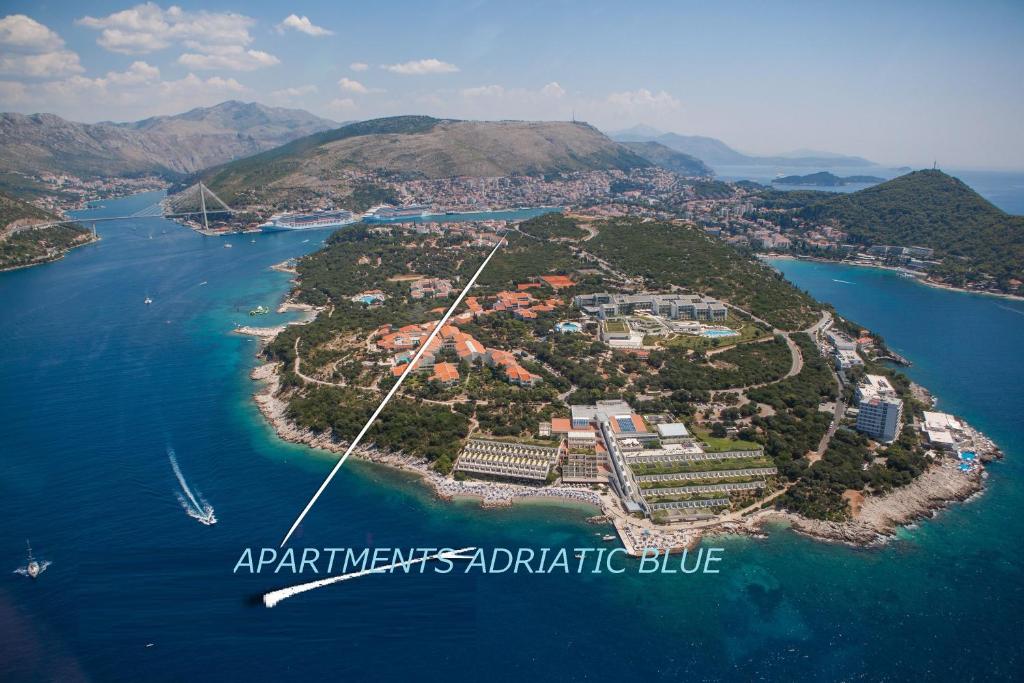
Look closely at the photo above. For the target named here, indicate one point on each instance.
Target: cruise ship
(309, 221)
(386, 212)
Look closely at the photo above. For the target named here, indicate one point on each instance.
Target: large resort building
(670, 306)
(507, 459)
(880, 413)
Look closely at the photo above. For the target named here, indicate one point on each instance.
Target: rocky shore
(879, 516)
(490, 494)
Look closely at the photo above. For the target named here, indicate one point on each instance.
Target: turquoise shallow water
(96, 387)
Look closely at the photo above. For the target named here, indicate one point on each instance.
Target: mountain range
(164, 145)
(424, 147)
(714, 152)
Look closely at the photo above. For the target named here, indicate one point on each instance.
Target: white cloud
(359, 66)
(217, 40)
(484, 91)
(46, 65)
(13, 92)
(230, 57)
(148, 27)
(19, 33)
(294, 92)
(303, 25)
(352, 86)
(341, 105)
(421, 67)
(552, 89)
(31, 50)
(643, 100)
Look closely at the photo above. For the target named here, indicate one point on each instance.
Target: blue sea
(97, 388)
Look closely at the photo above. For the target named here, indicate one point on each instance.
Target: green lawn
(714, 444)
(748, 332)
(616, 326)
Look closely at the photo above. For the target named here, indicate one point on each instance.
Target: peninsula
(640, 366)
(28, 237)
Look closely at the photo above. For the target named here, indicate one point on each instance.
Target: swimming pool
(568, 327)
(719, 333)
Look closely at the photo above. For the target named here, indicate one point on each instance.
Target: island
(826, 179)
(643, 367)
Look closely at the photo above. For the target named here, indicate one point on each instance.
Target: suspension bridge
(196, 200)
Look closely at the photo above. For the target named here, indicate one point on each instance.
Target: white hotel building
(880, 413)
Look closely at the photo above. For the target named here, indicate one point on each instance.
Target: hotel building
(671, 306)
(880, 413)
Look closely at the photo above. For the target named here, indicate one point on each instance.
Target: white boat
(608, 537)
(148, 301)
(227, 245)
(309, 221)
(386, 212)
(33, 567)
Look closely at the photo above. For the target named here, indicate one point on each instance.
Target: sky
(904, 83)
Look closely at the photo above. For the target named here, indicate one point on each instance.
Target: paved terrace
(710, 474)
(691, 504)
(705, 488)
(681, 456)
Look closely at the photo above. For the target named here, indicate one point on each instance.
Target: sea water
(96, 386)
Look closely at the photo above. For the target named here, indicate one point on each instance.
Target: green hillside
(422, 147)
(667, 255)
(932, 209)
(20, 248)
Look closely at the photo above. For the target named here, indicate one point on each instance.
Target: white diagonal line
(274, 597)
(369, 423)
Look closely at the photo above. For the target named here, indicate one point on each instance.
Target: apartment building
(672, 306)
(880, 413)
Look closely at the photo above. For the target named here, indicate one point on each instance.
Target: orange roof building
(446, 373)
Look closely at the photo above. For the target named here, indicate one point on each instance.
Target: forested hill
(426, 147)
(21, 246)
(931, 209)
(14, 210)
(667, 255)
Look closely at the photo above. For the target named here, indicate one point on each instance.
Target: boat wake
(845, 282)
(43, 564)
(192, 503)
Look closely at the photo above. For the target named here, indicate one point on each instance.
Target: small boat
(259, 310)
(227, 245)
(33, 567)
(608, 537)
(148, 301)
(202, 283)
(578, 556)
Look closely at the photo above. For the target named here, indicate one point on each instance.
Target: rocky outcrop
(880, 516)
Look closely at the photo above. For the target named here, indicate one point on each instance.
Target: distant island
(826, 179)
